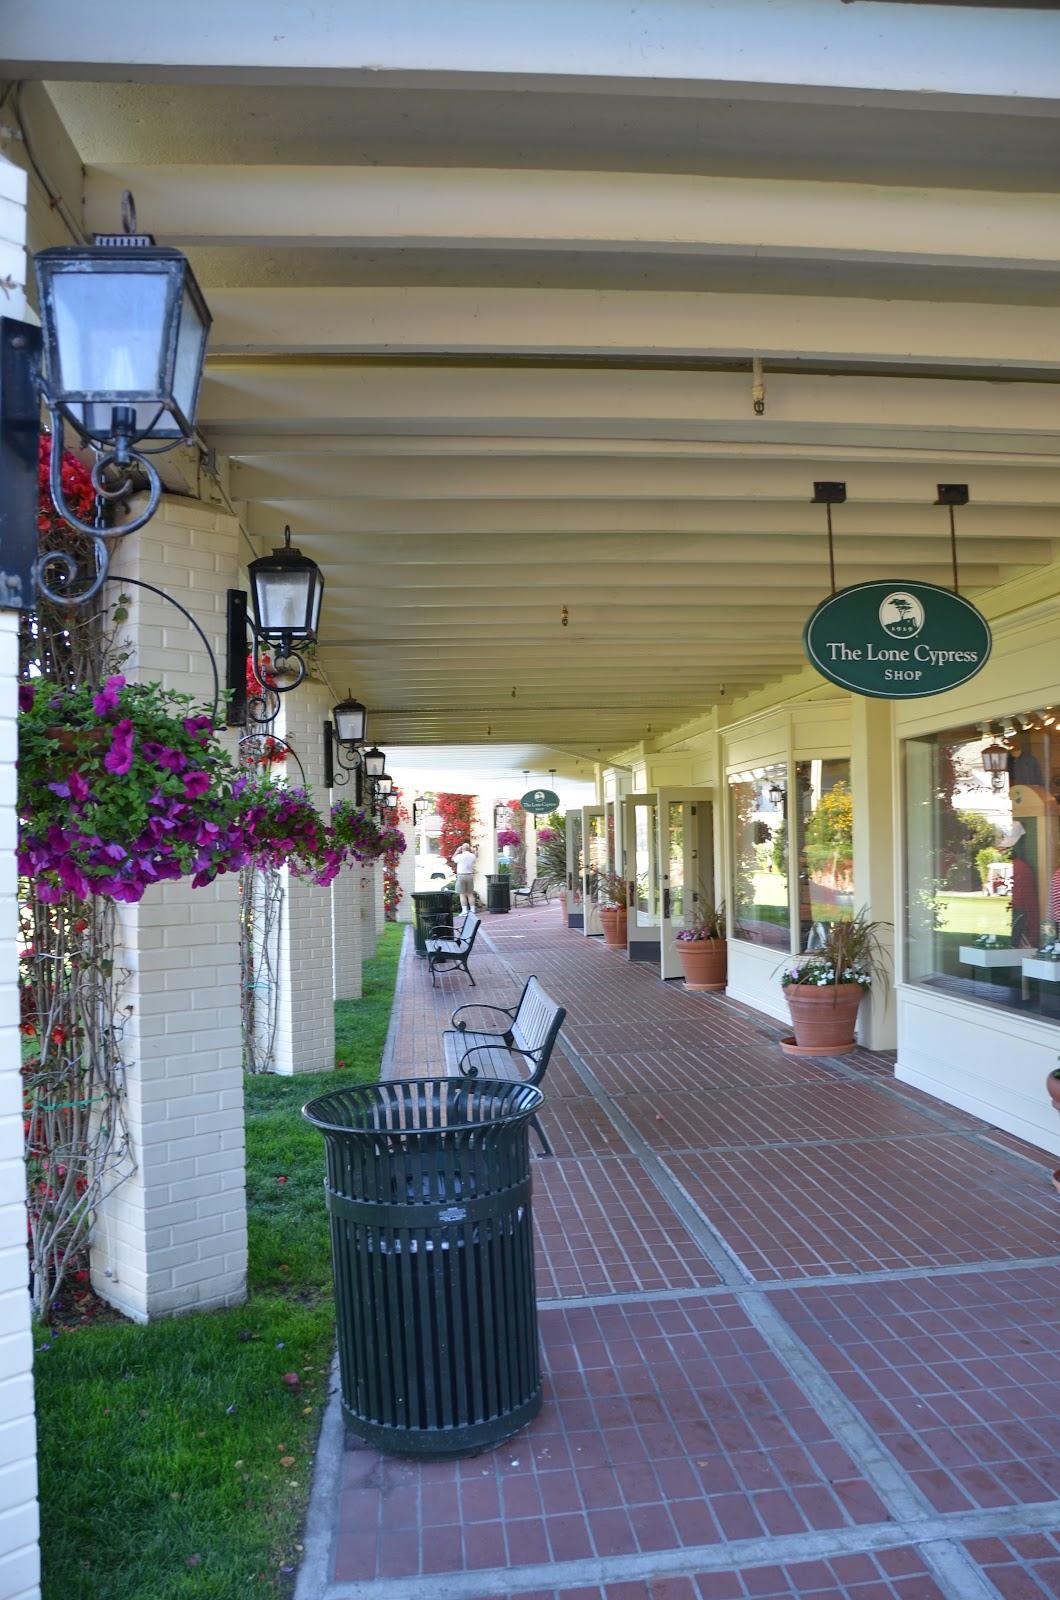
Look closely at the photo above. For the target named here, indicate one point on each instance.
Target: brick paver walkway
(800, 1325)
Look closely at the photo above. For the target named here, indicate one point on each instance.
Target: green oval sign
(894, 640)
(539, 802)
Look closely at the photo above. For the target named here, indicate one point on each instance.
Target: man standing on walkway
(464, 863)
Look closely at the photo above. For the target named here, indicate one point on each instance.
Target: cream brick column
(872, 785)
(305, 1031)
(406, 873)
(378, 900)
(19, 1519)
(172, 1237)
(347, 893)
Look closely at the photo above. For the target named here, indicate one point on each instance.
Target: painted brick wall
(19, 1558)
(378, 889)
(173, 1236)
(305, 1034)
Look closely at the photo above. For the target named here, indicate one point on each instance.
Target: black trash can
(432, 908)
(498, 893)
(428, 1185)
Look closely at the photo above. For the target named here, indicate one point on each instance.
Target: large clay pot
(74, 741)
(824, 1018)
(1052, 1083)
(613, 922)
(705, 963)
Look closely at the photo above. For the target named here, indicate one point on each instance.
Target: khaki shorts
(465, 884)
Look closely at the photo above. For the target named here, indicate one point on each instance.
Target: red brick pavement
(701, 1393)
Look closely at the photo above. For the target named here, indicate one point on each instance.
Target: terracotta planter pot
(823, 1018)
(613, 921)
(1052, 1083)
(72, 740)
(705, 963)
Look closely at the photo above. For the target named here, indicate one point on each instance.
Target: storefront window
(760, 856)
(826, 846)
(983, 862)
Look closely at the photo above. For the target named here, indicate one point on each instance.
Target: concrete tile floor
(800, 1327)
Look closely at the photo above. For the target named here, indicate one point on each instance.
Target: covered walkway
(799, 1324)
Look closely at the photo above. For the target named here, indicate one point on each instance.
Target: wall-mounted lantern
(124, 328)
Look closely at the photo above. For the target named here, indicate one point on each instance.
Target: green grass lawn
(971, 914)
(175, 1460)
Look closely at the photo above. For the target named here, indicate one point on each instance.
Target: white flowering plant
(851, 952)
(992, 941)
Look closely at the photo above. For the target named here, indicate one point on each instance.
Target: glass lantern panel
(191, 343)
(282, 598)
(349, 724)
(109, 328)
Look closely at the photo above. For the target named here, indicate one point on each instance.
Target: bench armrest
(472, 1071)
(481, 1006)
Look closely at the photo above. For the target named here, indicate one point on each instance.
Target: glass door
(640, 840)
(575, 897)
(594, 832)
(686, 854)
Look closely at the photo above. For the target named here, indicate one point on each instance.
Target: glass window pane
(760, 856)
(826, 846)
(983, 864)
(645, 867)
(676, 866)
(575, 861)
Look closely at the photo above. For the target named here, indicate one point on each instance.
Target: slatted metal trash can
(432, 908)
(429, 1192)
(498, 892)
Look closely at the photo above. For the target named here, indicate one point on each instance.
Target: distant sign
(540, 801)
(897, 641)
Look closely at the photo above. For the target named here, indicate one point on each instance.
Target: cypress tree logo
(901, 615)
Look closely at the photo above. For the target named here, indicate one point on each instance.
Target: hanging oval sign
(539, 802)
(894, 640)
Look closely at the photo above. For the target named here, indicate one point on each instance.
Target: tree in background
(457, 814)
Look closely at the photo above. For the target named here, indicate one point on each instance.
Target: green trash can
(498, 893)
(431, 908)
(428, 1188)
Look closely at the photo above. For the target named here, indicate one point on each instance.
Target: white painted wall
(347, 893)
(19, 1557)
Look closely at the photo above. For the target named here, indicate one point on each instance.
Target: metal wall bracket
(20, 358)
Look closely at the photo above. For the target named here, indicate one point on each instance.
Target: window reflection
(760, 856)
(826, 846)
(983, 862)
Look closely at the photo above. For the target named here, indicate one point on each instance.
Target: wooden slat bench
(520, 1050)
(452, 947)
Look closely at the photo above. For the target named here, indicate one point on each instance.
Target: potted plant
(610, 894)
(703, 950)
(552, 860)
(824, 988)
(1052, 1083)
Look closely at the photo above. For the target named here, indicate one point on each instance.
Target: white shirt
(464, 863)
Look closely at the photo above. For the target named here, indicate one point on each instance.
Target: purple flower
(196, 784)
(26, 695)
(119, 757)
(105, 703)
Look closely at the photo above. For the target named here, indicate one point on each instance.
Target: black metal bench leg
(539, 1130)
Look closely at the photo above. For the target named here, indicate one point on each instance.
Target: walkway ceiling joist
(485, 316)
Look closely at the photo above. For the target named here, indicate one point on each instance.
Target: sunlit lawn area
(975, 913)
(176, 1458)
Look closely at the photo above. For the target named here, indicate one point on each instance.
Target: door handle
(666, 904)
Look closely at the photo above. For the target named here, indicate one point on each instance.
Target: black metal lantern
(374, 762)
(351, 720)
(777, 794)
(384, 785)
(286, 590)
(124, 328)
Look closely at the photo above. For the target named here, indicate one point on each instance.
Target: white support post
(172, 1237)
(378, 904)
(871, 772)
(347, 923)
(305, 1030)
(406, 873)
(19, 1517)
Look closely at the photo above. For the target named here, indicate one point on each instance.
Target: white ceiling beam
(915, 50)
(321, 396)
(297, 469)
(408, 529)
(481, 206)
(630, 322)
